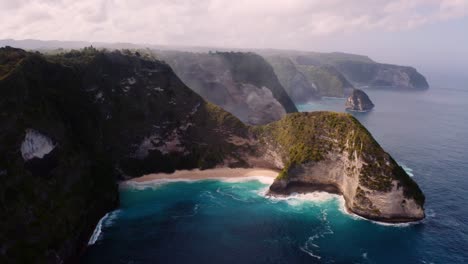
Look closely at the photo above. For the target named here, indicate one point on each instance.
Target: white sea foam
(309, 252)
(158, 182)
(97, 231)
(407, 169)
(261, 179)
(297, 199)
(223, 193)
(106, 221)
(153, 184)
(345, 211)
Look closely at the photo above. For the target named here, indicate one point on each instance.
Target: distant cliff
(337, 74)
(75, 123)
(382, 75)
(242, 83)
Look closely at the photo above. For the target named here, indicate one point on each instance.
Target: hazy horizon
(430, 35)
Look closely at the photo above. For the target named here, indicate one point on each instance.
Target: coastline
(216, 173)
(266, 176)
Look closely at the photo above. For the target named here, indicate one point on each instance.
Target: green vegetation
(307, 137)
(9, 59)
(329, 81)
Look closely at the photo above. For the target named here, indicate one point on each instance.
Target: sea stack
(359, 101)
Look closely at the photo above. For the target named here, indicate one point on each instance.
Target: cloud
(249, 23)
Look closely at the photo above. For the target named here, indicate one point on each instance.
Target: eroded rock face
(36, 145)
(297, 85)
(359, 101)
(242, 83)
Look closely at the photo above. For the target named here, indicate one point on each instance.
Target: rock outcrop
(75, 123)
(359, 101)
(242, 83)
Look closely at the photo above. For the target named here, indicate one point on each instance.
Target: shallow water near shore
(212, 221)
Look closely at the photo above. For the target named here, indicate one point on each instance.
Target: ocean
(234, 222)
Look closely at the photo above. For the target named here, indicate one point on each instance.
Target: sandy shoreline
(218, 173)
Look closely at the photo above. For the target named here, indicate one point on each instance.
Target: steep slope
(298, 87)
(242, 83)
(307, 78)
(330, 82)
(72, 124)
(75, 123)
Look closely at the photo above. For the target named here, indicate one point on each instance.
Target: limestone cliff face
(382, 75)
(242, 83)
(359, 101)
(297, 85)
(75, 123)
(336, 74)
(333, 152)
(306, 80)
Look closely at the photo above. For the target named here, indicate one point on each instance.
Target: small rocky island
(359, 101)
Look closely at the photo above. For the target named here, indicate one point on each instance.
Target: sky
(432, 33)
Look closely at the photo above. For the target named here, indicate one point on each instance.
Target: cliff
(330, 82)
(300, 88)
(334, 152)
(359, 101)
(75, 123)
(336, 74)
(382, 75)
(242, 83)
(308, 79)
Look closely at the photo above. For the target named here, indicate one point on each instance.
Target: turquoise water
(234, 222)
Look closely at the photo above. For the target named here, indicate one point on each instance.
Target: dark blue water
(233, 222)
